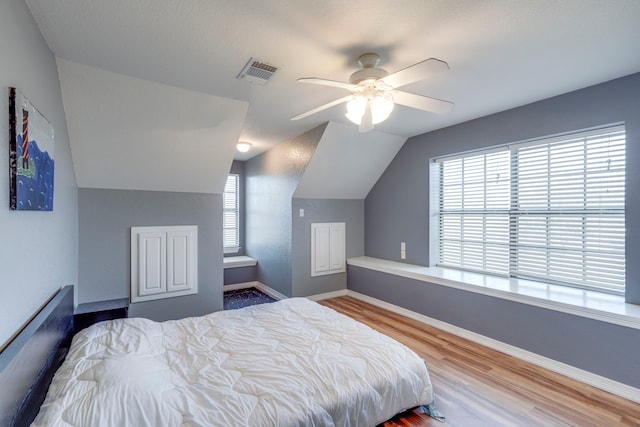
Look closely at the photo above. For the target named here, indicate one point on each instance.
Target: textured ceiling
(502, 54)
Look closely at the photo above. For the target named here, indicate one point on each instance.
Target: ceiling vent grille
(257, 72)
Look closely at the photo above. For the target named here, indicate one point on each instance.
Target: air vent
(257, 72)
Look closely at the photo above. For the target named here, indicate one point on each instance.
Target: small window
(231, 215)
(551, 210)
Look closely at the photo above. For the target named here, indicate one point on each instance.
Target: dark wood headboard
(28, 363)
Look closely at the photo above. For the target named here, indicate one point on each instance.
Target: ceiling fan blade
(366, 123)
(322, 107)
(420, 102)
(416, 72)
(325, 82)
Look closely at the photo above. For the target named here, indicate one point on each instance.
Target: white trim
(590, 304)
(328, 295)
(259, 286)
(271, 292)
(238, 261)
(236, 286)
(603, 383)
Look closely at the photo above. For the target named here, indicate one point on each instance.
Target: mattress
(289, 363)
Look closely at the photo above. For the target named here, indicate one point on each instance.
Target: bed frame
(28, 363)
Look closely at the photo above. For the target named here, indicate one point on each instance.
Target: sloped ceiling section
(346, 163)
(501, 54)
(133, 134)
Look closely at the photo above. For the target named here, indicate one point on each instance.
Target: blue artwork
(31, 146)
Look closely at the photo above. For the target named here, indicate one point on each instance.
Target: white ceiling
(501, 54)
(354, 160)
(132, 134)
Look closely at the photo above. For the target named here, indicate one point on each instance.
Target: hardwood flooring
(476, 386)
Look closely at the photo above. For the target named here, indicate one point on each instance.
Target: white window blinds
(230, 234)
(550, 210)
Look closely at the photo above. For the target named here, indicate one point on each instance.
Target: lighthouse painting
(31, 147)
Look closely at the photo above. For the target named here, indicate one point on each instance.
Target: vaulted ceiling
(162, 73)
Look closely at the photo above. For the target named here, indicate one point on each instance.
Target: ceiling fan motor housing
(367, 74)
(369, 71)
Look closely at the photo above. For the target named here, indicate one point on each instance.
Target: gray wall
(270, 181)
(240, 275)
(105, 220)
(397, 210)
(599, 347)
(38, 250)
(402, 193)
(350, 212)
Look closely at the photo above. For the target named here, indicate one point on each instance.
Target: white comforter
(289, 363)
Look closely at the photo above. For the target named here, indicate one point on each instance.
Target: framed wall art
(31, 156)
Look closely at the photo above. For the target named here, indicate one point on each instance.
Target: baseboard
(236, 286)
(271, 292)
(603, 383)
(258, 285)
(327, 295)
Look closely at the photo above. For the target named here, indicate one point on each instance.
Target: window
(550, 210)
(231, 215)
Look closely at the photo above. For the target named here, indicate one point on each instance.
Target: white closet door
(164, 262)
(180, 249)
(328, 248)
(151, 263)
(337, 247)
(320, 249)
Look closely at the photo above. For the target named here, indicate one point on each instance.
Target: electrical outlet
(403, 254)
(403, 250)
(301, 213)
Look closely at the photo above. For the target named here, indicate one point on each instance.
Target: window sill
(590, 304)
(238, 261)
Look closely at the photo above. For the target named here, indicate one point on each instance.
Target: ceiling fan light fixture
(243, 147)
(355, 109)
(381, 107)
(374, 91)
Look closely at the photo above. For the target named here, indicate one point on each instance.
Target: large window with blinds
(231, 215)
(550, 210)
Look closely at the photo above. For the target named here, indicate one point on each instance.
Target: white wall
(38, 250)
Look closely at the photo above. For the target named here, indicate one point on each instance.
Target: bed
(289, 363)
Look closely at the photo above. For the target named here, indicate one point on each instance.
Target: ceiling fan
(373, 91)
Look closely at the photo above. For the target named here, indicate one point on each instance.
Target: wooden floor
(477, 386)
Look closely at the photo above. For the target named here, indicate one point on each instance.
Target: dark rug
(245, 297)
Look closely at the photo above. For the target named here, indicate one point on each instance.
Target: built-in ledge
(239, 261)
(590, 304)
